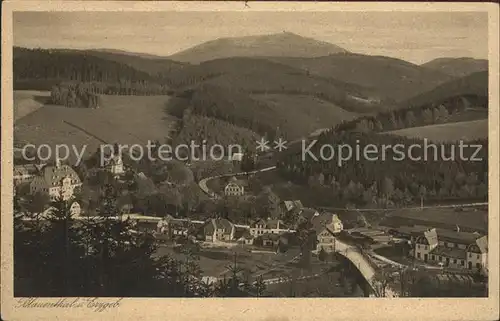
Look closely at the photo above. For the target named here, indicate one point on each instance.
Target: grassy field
(214, 262)
(121, 119)
(470, 219)
(28, 101)
(305, 113)
(467, 130)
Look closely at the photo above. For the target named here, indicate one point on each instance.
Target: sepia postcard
(249, 161)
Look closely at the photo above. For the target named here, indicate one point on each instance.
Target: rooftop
(53, 175)
(455, 253)
(307, 213)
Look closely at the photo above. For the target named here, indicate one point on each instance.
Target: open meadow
(120, 119)
(215, 261)
(467, 130)
(28, 101)
(305, 113)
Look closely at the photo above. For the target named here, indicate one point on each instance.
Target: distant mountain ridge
(284, 44)
(387, 76)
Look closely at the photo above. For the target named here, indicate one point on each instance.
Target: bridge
(364, 266)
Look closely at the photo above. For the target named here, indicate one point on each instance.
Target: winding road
(203, 183)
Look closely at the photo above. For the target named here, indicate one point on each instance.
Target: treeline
(75, 95)
(212, 131)
(390, 181)
(236, 108)
(86, 94)
(414, 116)
(42, 68)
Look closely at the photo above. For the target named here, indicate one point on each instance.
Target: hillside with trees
(40, 69)
(457, 100)
(395, 181)
(213, 131)
(387, 78)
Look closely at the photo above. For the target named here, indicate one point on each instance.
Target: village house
(237, 157)
(269, 240)
(219, 230)
(243, 236)
(234, 188)
(409, 233)
(287, 206)
(271, 226)
(56, 181)
(326, 225)
(174, 227)
(306, 214)
(453, 249)
(24, 174)
(115, 165)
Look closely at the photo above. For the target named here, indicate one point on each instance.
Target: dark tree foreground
(60, 256)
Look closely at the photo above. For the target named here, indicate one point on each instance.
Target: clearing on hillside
(27, 101)
(121, 119)
(467, 130)
(305, 114)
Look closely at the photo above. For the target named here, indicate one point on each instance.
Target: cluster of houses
(263, 232)
(447, 248)
(58, 181)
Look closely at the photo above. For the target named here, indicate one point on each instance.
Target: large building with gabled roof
(56, 181)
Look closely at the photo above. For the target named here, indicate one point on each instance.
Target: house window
(470, 254)
(477, 256)
(478, 265)
(440, 258)
(454, 261)
(433, 257)
(418, 254)
(462, 262)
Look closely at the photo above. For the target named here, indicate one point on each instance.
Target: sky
(417, 37)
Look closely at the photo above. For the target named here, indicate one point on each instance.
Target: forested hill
(472, 85)
(395, 180)
(42, 68)
(153, 65)
(448, 102)
(388, 77)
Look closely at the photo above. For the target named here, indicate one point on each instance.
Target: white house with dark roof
(115, 165)
(271, 226)
(234, 188)
(326, 225)
(453, 249)
(219, 230)
(56, 181)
